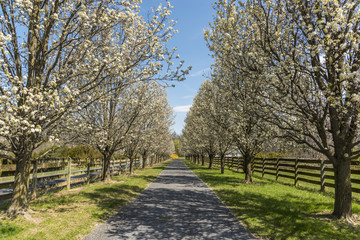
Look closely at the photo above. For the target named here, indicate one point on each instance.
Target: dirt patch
(253, 183)
(110, 181)
(33, 218)
(328, 217)
(356, 218)
(65, 192)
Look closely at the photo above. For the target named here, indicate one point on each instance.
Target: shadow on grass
(289, 217)
(277, 212)
(107, 197)
(100, 200)
(8, 230)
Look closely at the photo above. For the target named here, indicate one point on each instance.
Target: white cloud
(199, 73)
(184, 108)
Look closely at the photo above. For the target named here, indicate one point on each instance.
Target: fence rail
(312, 171)
(57, 173)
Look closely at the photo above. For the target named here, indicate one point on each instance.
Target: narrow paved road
(177, 205)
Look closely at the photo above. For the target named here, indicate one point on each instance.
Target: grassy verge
(73, 214)
(273, 210)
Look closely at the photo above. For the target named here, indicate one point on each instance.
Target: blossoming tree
(53, 55)
(308, 55)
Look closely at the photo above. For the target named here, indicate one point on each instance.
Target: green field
(73, 214)
(272, 210)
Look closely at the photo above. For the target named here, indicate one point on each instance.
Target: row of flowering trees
(287, 69)
(84, 71)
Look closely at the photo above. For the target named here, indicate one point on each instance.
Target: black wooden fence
(296, 170)
(58, 173)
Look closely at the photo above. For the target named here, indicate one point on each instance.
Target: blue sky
(192, 16)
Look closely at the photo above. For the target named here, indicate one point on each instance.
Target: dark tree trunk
(106, 168)
(222, 164)
(131, 165)
(342, 174)
(19, 201)
(247, 169)
(211, 158)
(144, 157)
(202, 160)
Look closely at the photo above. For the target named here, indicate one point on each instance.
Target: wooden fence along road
(297, 170)
(56, 173)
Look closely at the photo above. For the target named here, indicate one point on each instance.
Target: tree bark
(106, 168)
(19, 201)
(211, 158)
(247, 169)
(144, 157)
(222, 163)
(131, 165)
(202, 160)
(343, 194)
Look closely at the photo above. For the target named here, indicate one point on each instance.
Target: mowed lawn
(272, 210)
(73, 214)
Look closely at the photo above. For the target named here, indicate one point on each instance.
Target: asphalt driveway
(177, 205)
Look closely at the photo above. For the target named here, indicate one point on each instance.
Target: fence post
(119, 169)
(277, 169)
(252, 166)
(34, 179)
(111, 166)
(296, 171)
(322, 175)
(263, 167)
(1, 163)
(121, 166)
(88, 170)
(69, 174)
(238, 164)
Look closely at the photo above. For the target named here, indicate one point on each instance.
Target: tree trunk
(19, 201)
(211, 158)
(202, 160)
(106, 168)
(247, 169)
(144, 157)
(131, 165)
(222, 163)
(343, 205)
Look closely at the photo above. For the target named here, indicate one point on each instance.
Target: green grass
(73, 214)
(273, 210)
(303, 184)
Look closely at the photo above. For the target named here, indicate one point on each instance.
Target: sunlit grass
(73, 214)
(273, 210)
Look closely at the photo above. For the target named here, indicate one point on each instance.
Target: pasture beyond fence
(296, 171)
(58, 173)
